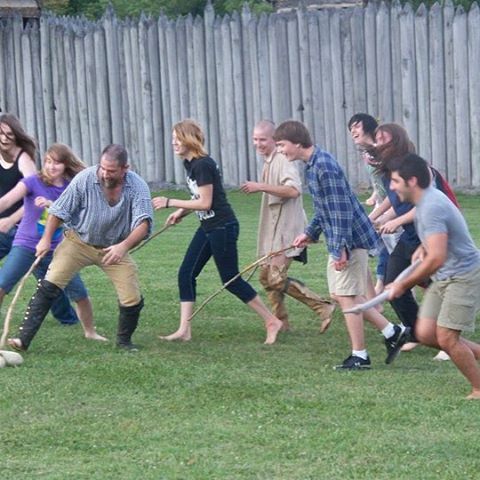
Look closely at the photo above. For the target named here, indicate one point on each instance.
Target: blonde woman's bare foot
(327, 320)
(272, 327)
(409, 346)
(95, 336)
(182, 335)
(475, 395)
(370, 201)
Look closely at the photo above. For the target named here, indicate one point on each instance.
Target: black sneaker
(354, 363)
(394, 343)
(127, 347)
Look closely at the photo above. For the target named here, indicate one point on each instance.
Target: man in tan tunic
(282, 219)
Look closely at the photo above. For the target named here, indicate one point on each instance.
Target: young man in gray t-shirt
(450, 257)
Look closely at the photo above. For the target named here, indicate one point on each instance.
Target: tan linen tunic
(281, 219)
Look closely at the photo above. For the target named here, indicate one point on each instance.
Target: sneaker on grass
(394, 343)
(354, 363)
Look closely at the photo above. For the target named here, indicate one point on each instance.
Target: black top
(204, 171)
(9, 177)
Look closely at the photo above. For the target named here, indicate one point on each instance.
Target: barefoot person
(450, 257)
(217, 235)
(282, 219)
(38, 193)
(349, 235)
(107, 210)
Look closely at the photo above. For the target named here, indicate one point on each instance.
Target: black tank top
(9, 177)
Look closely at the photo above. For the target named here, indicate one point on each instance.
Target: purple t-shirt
(31, 228)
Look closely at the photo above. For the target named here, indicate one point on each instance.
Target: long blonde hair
(191, 136)
(63, 154)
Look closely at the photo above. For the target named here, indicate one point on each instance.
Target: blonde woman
(216, 236)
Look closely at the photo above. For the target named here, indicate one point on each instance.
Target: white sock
(389, 330)
(360, 353)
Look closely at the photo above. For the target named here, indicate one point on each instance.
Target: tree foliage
(94, 9)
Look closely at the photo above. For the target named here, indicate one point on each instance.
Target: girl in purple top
(38, 193)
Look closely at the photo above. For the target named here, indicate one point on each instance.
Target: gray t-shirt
(437, 214)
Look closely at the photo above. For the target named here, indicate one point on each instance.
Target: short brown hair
(295, 132)
(116, 152)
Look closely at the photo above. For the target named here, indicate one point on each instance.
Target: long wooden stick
(6, 323)
(246, 269)
(156, 234)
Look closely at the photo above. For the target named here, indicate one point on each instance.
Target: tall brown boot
(323, 308)
(275, 293)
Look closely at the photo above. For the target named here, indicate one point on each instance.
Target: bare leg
(462, 356)
(85, 314)
(272, 323)
(464, 353)
(353, 321)
(371, 291)
(184, 331)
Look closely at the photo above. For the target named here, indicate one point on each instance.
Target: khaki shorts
(72, 255)
(453, 303)
(353, 280)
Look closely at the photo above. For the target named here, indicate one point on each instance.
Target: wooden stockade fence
(91, 83)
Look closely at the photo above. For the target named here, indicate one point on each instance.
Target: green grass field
(225, 406)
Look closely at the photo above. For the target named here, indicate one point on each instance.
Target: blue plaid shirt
(338, 213)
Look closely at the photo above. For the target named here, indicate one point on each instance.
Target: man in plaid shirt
(349, 235)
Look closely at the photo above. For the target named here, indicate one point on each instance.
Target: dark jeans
(221, 243)
(405, 306)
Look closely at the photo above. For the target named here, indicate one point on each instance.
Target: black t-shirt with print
(204, 171)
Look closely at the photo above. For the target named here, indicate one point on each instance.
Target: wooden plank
(437, 94)
(474, 92)
(93, 125)
(110, 25)
(157, 110)
(48, 106)
(239, 157)
(190, 66)
(424, 139)
(409, 73)
(393, 40)
(211, 48)
(250, 120)
(229, 140)
(294, 67)
(448, 13)
(264, 68)
(148, 161)
(316, 69)
(462, 112)
(71, 90)
(101, 91)
(168, 159)
(17, 30)
(306, 76)
(201, 77)
(62, 117)
(383, 68)
(370, 36)
(29, 120)
(334, 141)
(82, 99)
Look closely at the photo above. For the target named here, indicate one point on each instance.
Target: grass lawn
(225, 406)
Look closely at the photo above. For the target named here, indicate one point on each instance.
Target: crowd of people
(70, 216)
